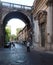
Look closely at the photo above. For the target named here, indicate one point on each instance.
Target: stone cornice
(49, 2)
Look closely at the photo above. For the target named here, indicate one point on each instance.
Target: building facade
(25, 34)
(43, 23)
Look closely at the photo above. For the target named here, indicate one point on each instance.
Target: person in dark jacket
(28, 46)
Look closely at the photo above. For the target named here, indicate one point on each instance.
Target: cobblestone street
(18, 55)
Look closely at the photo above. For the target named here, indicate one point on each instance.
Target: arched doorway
(42, 20)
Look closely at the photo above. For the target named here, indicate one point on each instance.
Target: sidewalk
(41, 50)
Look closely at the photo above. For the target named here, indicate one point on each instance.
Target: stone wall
(1, 28)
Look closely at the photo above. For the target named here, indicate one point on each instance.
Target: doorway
(42, 30)
(42, 27)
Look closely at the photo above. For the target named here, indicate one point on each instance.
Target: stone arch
(42, 20)
(16, 14)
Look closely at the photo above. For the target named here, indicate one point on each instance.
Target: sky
(14, 24)
(24, 2)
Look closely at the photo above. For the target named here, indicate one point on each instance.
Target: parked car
(7, 45)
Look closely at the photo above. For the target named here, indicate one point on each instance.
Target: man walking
(28, 46)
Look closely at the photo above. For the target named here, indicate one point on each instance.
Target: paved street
(18, 55)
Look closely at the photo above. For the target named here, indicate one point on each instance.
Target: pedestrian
(28, 46)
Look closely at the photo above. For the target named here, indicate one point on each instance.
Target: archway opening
(21, 16)
(12, 29)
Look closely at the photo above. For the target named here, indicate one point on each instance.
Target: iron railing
(18, 6)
